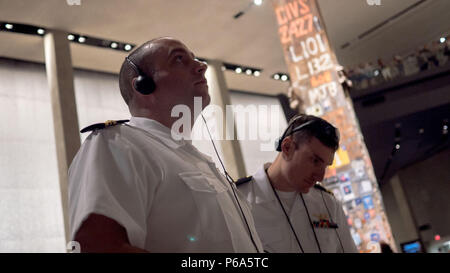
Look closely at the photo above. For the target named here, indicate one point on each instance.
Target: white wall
(98, 98)
(30, 208)
(258, 151)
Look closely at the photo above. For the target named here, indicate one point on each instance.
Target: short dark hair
(303, 127)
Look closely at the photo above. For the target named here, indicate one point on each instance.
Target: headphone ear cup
(144, 85)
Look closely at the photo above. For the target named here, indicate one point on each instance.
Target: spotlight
(81, 39)
(257, 2)
(70, 37)
(238, 70)
(128, 47)
(284, 78)
(276, 77)
(40, 31)
(397, 146)
(248, 71)
(376, 72)
(442, 40)
(9, 26)
(114, 45)
(256, 73)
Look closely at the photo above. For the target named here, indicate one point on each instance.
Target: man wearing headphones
(292, 211)
(134, 187)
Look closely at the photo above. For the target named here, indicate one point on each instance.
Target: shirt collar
(160, 131)
(263, 190)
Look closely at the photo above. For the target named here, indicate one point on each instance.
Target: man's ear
(287, 148)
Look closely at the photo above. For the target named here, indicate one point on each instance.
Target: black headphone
(144, 84)
(298, 128)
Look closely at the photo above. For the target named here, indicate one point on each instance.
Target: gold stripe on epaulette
(110, 123)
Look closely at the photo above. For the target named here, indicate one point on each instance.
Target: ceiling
(209, 29)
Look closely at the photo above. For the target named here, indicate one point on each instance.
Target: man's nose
(201, 67)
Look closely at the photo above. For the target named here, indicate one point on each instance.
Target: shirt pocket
(272, 239)
(328, 240)
(207, 193)
(201, 182)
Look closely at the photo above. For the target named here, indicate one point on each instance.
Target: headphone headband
(296, 129)
(135, 67)
(144, 84)
(320, 128)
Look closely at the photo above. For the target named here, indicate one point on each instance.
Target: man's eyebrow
(181, 50)
(318, 157)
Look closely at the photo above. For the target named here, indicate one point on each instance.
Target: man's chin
(305, 190)
(206, 100)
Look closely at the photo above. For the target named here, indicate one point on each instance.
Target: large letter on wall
(315, 88)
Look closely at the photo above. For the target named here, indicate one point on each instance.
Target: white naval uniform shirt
(166, 194)
(273, 227)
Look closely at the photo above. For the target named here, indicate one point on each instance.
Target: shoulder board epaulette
(319, 186)
(107, 123)
(243, 180)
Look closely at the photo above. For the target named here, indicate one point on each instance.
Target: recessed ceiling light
(81, 39)
(9, 26)
(256, 73)
(238, 70)
(276, 77)
(248, 71)
(128, 47)
(284, 78)
(114, 45)
(70, 37)
(40, 31)
(257, 2)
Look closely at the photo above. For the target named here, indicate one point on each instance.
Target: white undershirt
(287, 198)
